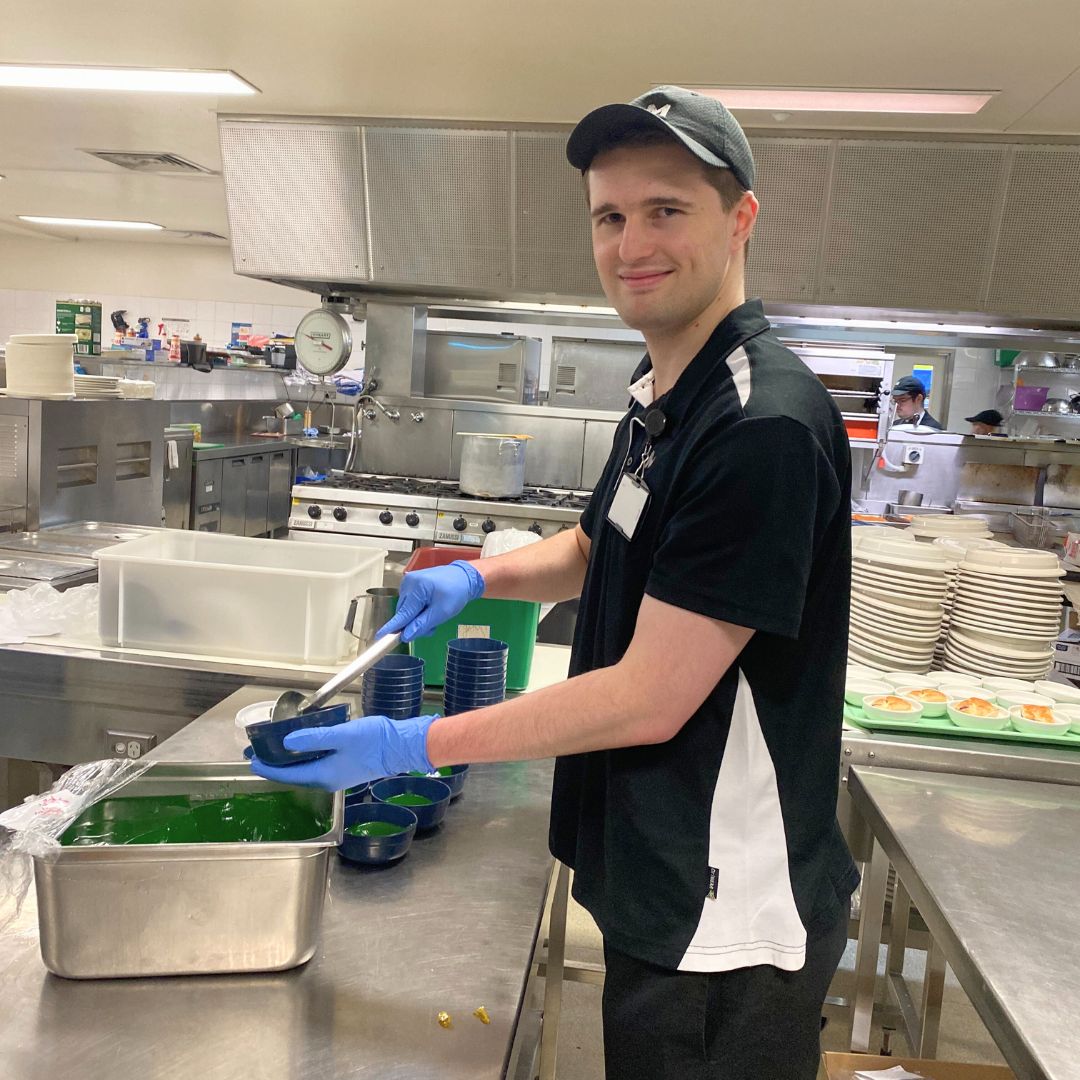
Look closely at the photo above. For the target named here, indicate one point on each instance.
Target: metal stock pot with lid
(492, 466)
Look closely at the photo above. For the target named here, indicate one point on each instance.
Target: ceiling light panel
(89, 223)
(150, 80)
(791, 99)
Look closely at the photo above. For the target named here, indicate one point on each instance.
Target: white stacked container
(234, 596)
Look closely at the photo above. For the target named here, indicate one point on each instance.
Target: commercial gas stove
(402, 513)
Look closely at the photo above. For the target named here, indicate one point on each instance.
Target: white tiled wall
(25, 311)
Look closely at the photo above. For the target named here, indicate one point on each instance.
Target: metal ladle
(292, 703)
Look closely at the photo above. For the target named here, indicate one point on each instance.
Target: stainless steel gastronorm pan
(116, 911)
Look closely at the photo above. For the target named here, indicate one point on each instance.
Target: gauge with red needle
(323, 342)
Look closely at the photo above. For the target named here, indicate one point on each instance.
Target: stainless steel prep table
(452, 927)
(991, 864)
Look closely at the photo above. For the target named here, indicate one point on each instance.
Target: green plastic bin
(512, 621)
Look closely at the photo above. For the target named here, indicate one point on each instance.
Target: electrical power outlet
(913, 455)
(128, 744)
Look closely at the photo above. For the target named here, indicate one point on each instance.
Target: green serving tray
(942, 725)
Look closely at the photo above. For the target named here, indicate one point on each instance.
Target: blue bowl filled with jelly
(453, 776)
(377, 833)
(268, 738)
(427, 798)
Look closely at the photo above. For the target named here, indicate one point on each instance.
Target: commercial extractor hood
(453, 211)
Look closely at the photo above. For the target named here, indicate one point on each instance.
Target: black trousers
(755, 1023)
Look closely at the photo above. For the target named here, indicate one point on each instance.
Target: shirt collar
(744, 322)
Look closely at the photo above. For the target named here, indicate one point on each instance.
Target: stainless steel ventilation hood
(448, 211)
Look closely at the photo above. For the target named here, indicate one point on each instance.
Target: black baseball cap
(987, 416)
(700, 123)
(908, 385)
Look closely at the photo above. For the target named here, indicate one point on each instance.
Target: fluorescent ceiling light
(865, 101)
(90, 223)
(158, 80)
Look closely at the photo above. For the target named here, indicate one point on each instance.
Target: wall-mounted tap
(417, 417)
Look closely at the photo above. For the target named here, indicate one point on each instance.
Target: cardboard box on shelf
(845, 1066)
(83, 319)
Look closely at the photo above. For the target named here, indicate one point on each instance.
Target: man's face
(662, 241)
(979, 428)
(907, 406)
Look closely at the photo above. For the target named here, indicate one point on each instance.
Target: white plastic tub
(236, 596)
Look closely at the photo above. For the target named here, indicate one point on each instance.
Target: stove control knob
(412, 520)
(488, 526)
(314, 511)
(340, 513)
(535, 527)
(386, 517)
(460, 524)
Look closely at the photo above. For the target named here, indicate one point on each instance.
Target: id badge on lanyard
(632, 495)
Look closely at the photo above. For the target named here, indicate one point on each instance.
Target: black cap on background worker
(986, 422)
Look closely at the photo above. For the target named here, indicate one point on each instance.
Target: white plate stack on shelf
(930, 527)
(1006, 614)
(40, 366)
(897, 591)
(957, 548)
(96, 386)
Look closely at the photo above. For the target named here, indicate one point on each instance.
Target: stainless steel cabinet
(281, 479)
(234, 496)
(258, 494)
(206, 496)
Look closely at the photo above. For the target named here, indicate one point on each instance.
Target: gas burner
(392, 485)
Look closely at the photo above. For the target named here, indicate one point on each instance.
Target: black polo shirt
(720, 849)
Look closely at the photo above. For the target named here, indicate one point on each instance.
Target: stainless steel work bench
(454, 926)
(992, 866)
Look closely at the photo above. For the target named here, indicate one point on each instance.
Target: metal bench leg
(871, 918)
(898, 930)
(932, 995)
(553, 974)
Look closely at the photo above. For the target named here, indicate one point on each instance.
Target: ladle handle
(367, 659)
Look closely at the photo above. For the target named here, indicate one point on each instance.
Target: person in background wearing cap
(698, 735)
(985, 422)
(909, 396)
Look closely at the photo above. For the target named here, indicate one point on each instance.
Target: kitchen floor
(581, 1056)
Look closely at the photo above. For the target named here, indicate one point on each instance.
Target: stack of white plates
(96, 386)
(897, 591)
(929, 527)
(957, 548)
(1006, 613)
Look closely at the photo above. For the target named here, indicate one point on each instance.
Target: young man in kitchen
(698, 736)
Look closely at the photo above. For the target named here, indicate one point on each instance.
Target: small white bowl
(964, 677)
(251, 714)
(1060, 725)
(931, 709)
(910, 716)
(1071, 713)
(864, 671)
(957, 691)
(858, 687)
(900, 678)
(1002, 682)
(1067, 695)
(997, 722)
(1009, 698)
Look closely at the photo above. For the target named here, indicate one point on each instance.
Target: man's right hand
(429, 597)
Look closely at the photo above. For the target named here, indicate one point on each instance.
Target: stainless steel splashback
(568, 447)
(486, 212)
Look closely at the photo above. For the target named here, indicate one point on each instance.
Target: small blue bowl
(354, 796)
(455, 781)
(377, 850)
(478, 646)
(428, 815)
(396, 666)
(471, 701)
(267, 738)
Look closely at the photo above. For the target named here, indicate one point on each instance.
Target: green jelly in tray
(185, 819)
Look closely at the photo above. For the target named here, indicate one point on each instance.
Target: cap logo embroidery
(660, 110)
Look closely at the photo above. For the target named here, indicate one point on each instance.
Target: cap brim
(609, 120)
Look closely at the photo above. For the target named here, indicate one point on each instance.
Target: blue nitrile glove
(428, 598)
(364, 749)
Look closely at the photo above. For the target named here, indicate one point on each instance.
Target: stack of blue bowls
(475, 674)
(394, 687)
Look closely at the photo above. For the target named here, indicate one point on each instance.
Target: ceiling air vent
(149, 162)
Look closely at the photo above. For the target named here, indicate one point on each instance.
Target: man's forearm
(553, 569)
(595, 711)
